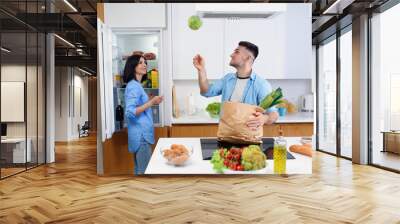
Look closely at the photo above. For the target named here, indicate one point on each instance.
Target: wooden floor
(387, 159)
(69, 191)
(5, 172)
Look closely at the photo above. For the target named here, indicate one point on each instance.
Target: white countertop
(14, 140)
(202, 117)
(196, 165)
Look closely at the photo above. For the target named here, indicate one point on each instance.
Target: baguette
(301, 149)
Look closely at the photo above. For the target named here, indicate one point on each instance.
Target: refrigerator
(124, 43)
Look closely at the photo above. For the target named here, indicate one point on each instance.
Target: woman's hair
(130, 66)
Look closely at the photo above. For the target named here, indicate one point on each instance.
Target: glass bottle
(154, 78)
(280, 154)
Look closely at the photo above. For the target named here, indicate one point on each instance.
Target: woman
(138, 112)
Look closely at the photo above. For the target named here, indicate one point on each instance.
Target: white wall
(12, 73)
(33, 126)
(292, 89)
(61, 103)
(141, 15)
(68, 81)
(80, 82)
(184, 87)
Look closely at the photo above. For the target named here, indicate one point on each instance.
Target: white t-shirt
(239, 89)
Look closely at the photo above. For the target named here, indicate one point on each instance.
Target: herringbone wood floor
(69, 191)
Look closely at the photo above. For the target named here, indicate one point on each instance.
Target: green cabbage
(253, 158)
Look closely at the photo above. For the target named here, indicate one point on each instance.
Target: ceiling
(78, 26)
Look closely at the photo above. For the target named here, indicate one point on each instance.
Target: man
(243, 86)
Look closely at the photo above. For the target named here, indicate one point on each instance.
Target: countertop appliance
(209, 145)
(307, 103)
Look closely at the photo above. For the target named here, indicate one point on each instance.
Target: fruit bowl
(177, 154)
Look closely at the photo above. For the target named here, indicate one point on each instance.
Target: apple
(195, 22)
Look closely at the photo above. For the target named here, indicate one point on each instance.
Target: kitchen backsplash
(292, 90)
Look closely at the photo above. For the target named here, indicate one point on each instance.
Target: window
(327, 96)
(385, 89)
(346, 93)
(22, 65)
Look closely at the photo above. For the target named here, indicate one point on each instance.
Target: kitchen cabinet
(284, 42)
(297, 129)
(257, 31)
(159, 132)
(289, 129)
(116, 156)
(138, 15)
(296, 31)
(210, 130)
(117, 159)
(186, 43)
(192, 130)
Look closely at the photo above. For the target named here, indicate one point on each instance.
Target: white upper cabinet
(297, 37)
(138, 15)
(208, 41)
(284, 42)
(260, 32)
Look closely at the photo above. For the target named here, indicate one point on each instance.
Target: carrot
(301, 149)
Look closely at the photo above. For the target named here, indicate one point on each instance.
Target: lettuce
(214, 108)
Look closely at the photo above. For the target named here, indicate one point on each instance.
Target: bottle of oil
(280, 154)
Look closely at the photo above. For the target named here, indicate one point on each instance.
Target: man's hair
(251, 47)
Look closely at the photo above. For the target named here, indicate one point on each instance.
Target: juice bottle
(280, 155)
(154, 78)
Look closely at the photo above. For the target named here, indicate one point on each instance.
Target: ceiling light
(64, 40)
(84, 71)
(70, 5)
(337, 7)
(5, 50)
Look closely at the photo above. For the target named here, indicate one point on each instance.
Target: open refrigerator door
(124, 44)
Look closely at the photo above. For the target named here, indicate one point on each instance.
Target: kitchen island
(196, 165)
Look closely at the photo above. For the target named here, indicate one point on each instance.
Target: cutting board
(175, 107)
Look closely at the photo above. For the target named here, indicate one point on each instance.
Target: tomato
(237, 157)
(226, 163)
(239, 167)
(229, 156)
(232, 166)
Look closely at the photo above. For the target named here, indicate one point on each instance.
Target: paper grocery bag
(232, 124)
